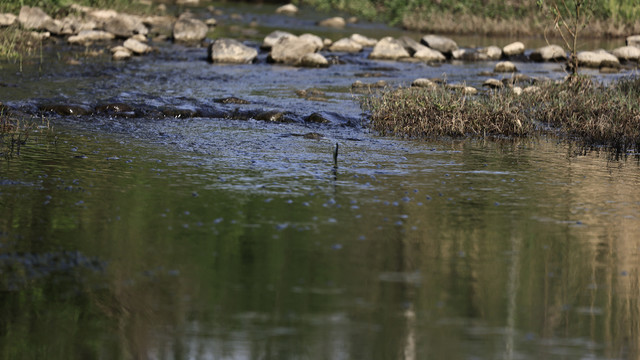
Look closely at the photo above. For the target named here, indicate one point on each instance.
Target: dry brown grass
(585, 111)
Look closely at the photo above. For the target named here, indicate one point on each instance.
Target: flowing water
(209, 238)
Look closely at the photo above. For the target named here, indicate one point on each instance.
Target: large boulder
(288, 9)
(363, 40)
(90, 36)
(101, 16)
(482, 54)
(597, 59)
(7, 19)
(346, 45)
(627, 53)
(273, 38)
(440, 43)
(314, 39)
(548, 53)
(290, 50)
(189, 30)
(33, 18)
(513, 49)
(231, 52)
(125, 26)
(389, 48)
(633, 40)
(334, 22)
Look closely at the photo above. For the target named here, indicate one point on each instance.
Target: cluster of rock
(89, 25)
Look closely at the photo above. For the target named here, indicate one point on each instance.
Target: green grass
(588, 112)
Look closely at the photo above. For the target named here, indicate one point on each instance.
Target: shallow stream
(209, 238)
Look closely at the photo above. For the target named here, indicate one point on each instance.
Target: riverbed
(204, 237)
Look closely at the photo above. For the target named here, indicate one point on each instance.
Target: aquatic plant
(15, 131)
(594, 114)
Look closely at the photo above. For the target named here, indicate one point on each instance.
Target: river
(209, 238)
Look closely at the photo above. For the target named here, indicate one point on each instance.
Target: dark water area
(156, 237)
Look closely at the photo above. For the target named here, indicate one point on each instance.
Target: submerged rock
(62, 109)
(117, 109)
(232, 100)
(443, 44)
(273, 116)
(317, 118)
(188, 30)
(389, 48)
(548, 53)
(231, 51)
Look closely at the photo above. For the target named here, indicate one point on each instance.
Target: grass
(591, 113)
(488, 17)
(15, 131)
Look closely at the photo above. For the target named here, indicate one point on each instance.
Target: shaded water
(206, 238)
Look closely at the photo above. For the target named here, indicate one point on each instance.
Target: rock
(531, 90)
(272, 116)
(429, 55)
(326, 42)
(597, 59)
(314, 60)
(232, 100)
(505, 66)
(334, 22)
(7, 19)
(189, 30)
(136, 46)
(548, 53)
(458, 54)
(231, 52)
(609, 70)
(517, 90)
(491, 52)
(140, 37)
(518, 79)
(121, 54)
(410, 45)
(627, 53)
(317, 40)
(118, 48)
(440, 43)
(422, 82)
(64, 109)
(188, 2)
(363, 40)
(317, 118)
(101, 16)
(33, 18)
(469, 90)
(273, 38)
(159, 24)
(288, 9)
(633, 40)
(117, 109)
(36, 35)
(346, 45)
(360, 85)
(290, 50)
(211, 22)
(516, 48)
(493, 83)
(125, 26)
(388, 48)
(90, 36)
(482, 54)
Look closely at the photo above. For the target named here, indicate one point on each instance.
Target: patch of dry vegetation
(15, 131)
(591, 113)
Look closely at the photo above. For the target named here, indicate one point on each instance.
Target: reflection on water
(414, 250)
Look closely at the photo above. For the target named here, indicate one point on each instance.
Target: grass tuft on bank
(589, 112)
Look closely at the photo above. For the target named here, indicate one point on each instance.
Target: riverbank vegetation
(612, 18)
(582, 110)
